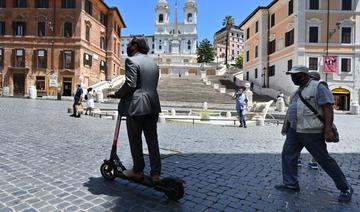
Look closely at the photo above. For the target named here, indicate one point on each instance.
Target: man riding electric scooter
(141, 106)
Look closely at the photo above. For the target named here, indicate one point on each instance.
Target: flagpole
(327, 34)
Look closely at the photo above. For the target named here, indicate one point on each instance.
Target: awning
(340, 91)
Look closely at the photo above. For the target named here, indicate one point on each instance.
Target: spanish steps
(192, 92)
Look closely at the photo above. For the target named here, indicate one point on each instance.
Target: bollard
(228, 114)
(99, 96)
(205, 106)
(260, 122)
(161, 119)
(355, 108)
(173, 112)
(6, 91)
(280, 104)
(32, 92)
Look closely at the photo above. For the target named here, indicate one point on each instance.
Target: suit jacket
(139, 92)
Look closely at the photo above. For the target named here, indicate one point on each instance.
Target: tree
(228, 22)
(205, 52)
(239, 61)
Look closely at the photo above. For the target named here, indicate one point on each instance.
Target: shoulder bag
(317, 114)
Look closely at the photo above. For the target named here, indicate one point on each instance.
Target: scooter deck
(146, 181)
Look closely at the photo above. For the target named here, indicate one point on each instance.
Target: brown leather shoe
(134, 175)
(155, 178)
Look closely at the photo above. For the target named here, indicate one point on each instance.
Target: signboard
(53, 80)
(330, 64)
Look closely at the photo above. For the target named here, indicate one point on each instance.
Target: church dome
(162, 2)
(190, 3)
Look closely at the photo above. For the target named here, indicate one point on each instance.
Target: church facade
(174, 44)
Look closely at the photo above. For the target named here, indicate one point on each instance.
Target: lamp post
(217, 61)
(264, 75)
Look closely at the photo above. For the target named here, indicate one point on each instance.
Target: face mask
(129, 52)
(297, 79)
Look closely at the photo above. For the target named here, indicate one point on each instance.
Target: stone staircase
(193, 90)
(190, 89)
(230, 86)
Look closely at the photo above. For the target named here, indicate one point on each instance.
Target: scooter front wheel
(108, 171)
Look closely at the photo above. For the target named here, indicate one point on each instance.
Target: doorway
(67, 85)
(342, 99)
(19, 84)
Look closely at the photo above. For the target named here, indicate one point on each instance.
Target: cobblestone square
(50, 162)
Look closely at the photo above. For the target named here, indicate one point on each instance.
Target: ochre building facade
(314, 33)
(56, 44)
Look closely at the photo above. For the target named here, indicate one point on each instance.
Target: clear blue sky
(139, 15)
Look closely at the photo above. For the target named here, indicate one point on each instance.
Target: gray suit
(141, 105)
(138, 94)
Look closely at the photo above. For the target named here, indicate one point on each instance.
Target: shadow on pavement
(233, 182)
(130, 196)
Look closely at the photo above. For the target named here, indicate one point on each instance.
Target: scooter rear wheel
(108, 171)
(176, 189)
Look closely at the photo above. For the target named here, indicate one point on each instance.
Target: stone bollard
(205, 106)
(32, 92)
(228, 114)
(222, 90)
(173, 112)
(203, 75)
(99, 96)
(6, 91)
(208, 82)
(113, 116)
(355, 108)
(216, 86)
(161, 118)
(280, 104)
(259, 121)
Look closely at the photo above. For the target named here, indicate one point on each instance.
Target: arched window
(161, 18)
(189, 17)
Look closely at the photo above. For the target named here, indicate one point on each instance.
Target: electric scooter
(112, 168)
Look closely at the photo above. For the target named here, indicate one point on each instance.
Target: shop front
(40, 86)
(67, 85)
(342, 99)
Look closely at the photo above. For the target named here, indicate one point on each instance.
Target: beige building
(55, 44)
(291, 32)
(236, 43)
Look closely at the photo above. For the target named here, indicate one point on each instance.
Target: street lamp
(217, 61)
(264, 75)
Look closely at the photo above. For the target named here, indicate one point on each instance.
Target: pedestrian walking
(312, 163)
(77, 107)
(141, 105)
(90, 105)
(303, 128)
(241, 105)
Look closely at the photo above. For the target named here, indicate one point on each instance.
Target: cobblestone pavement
(50, 162)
